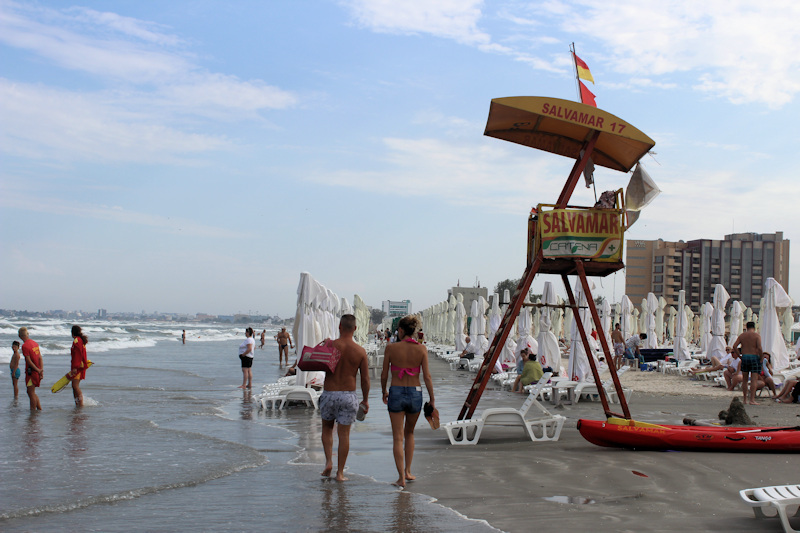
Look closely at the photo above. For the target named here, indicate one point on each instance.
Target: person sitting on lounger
(765, 377)
(716, 363)
(732, 371)
(531, 373)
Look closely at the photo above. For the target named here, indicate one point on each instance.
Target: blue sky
(197, 156)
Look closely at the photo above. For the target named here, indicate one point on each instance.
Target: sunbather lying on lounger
(716, 363)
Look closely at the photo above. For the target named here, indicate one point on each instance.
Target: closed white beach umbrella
(305, 328)
(605, 320)
(535, 315)
(525, 328)
(786, 324)
(748, 315)
(494, 317)
(643, 317)
(662, 303)
(450, 337)
(690, 323)
(566, 322)
(736, 322)
(508, 355)
(651, 306)
(635, 321)
(626, 317)
(772, 340)
(680, 347)
(557, 319)
(671, 314)
(361, 313)
(717, 343)
(460, 324)
(549, 353)
(578, 365)
(705, 325)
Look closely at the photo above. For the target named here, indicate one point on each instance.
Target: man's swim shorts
(339, 405)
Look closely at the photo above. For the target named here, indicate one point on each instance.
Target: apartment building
(741, 262)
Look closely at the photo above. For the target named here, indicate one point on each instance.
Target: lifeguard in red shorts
(34, 367)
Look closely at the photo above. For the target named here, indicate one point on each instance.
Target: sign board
(594, 234)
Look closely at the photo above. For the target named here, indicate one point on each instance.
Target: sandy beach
(518, 485)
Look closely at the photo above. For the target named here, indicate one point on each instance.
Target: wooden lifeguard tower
(564, 239)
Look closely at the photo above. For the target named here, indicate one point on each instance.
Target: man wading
(339, 403)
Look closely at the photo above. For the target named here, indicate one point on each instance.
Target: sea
(167, 442)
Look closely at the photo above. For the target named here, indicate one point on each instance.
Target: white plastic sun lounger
(543, 428)
(780, 497)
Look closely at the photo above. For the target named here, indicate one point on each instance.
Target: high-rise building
(396, 308)
(741, 263)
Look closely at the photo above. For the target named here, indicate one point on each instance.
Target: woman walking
(405, 360)
(246, 355)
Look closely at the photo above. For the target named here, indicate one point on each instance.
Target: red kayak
(623, 433)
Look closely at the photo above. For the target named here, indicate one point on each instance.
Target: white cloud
(490, 176)
(114, 49)
(738, 50)
(20, 199)
(52, 124)
(449, 19)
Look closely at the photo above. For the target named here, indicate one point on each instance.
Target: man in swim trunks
(619, 346)
(748, 345)
(339, 403)
(14, 366)
(283, 338)
(34, 367)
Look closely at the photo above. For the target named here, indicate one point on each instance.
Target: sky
(195, 157)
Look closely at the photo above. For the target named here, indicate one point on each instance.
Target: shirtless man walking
(618, 341)
(748, 344)
(283, 338)
(339, 403)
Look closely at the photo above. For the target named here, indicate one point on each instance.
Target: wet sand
(519, 485)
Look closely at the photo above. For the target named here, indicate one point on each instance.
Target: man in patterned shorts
(339, 403)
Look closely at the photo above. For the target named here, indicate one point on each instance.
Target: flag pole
(575, 66)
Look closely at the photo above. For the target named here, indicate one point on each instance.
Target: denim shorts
(405, 399)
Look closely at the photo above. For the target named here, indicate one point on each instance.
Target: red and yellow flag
(587, 97)
(583, 69)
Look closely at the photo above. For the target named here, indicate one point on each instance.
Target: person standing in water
(79, 363)
(405, 360)
(246, 355)
(34, 367)
(283, 339)
(14, 366)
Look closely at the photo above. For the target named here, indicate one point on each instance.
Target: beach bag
(321, 358)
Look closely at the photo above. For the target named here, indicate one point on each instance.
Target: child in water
(14, 365)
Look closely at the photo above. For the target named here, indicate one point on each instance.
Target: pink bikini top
(401, 371)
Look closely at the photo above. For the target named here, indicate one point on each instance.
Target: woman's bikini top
(401, 371)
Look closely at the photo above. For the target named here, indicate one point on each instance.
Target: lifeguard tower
(564, 239)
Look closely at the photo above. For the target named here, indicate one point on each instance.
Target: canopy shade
(561, 127)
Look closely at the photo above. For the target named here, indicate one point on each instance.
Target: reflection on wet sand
(404, 516)
(246, 412)
(336, 509)
(76, 440)
(31, 437)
